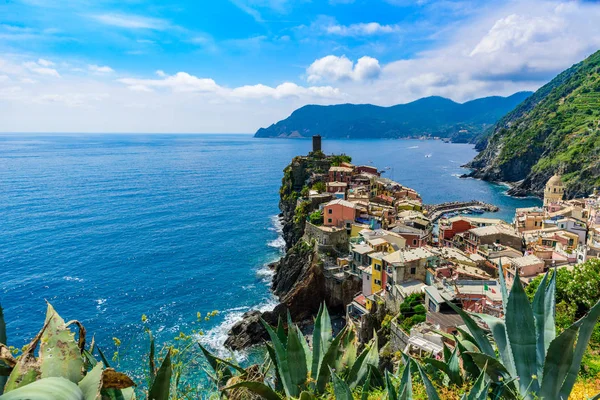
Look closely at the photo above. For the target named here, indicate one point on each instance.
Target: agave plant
(531, 360)
(65, 369)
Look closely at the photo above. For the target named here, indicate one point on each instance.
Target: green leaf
(296, 358)
(46, 389)
(222, 373)
(377, 379)
(447, 352)
(322, 334)
(59, 353)
(494, 370)
(328, 361)
(557, 363)
(543, 307)
(477, 333)
(161, 387)
(281, 331)
(503, 288)
(366, 387)
(480, 390)
(151, 362)
(438, 364)
(432, 394)
(389, 385)
(306, 396)
(520, 329)
(454, 368)
(467, 361)
(102, 357)
(340, 388)
(586, 326)
(273, 356)
(360, 368)
(258, 388)
(307, 350)
(498, 328)
(91, 384)
(406, 381)
(290, 389)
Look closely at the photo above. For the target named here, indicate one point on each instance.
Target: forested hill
(429, 116)
(557, 128)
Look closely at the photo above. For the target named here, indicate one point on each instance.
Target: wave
(413, 147)
(72, 278)
(215, 337)
(278, 243)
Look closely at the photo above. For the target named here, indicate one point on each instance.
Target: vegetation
(412, 311)
(337, 160)
(557, 127)
(319, 187)
(527, 359)
(316, 217)
(436, 115)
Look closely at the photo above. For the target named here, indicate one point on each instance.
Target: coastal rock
(247, 332)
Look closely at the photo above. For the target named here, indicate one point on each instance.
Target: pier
(435, 211)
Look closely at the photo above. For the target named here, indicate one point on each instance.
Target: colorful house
(339, 213)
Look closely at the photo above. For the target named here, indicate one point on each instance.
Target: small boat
(427, 155)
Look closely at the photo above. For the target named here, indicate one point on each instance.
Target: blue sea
(109, 227)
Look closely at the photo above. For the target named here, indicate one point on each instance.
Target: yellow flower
(144, 318)
(117, 342)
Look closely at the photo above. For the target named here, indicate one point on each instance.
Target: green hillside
(557, 128)
(430, 116)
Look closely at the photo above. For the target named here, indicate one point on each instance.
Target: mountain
(557, 129)
(430, 116)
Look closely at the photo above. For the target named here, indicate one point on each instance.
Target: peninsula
(370, 249)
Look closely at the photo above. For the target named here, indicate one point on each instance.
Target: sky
(233, 66)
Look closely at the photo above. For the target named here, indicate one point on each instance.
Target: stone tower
(554, 191)
(316, 139)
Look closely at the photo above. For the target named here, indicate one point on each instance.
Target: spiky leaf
(91, 384)
(256, 387)
(432, 393)
(543, 307)
(328, 361)
(161, 387)
(477, 333)
(389, 385)
(44, 389)
(369, 356)
(281, 356)
(498, 328)
(480, 389)
(296, 357)
(340, 388)
(557, 363)
(322, 334)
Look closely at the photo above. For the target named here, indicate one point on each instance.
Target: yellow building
(555, 190)
(377, 271)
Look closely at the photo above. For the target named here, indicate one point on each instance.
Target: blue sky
(237, 65)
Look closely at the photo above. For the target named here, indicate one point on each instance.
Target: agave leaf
(454, 368)
(377, 379)
(477, 333)
(360, 367)
(586, 326)
(161, 387)
(281, 331)
(467, 361)
(328, 361)
(348, 350)
(557, 363)
(151, 362)
(494, 370)
(258, 388)
(498, 328)
(322, 334)
(102, 357)
(438, 364)
(447, 352)
(365, 389)
(465, 337)
(273, 357)
(296, 358)
(60, 355)
(389, 385)
(520, 330)
(503, 287)
(340, 388)
(543, 307)
(91, 384)
(306, 396)
(405, 388)
(307, 350)
(290, 389)
(221, 371)
(89, 359)
(45, 389)
(480, 389)
(112, 379)
(432, 394)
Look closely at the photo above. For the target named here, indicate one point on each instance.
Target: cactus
(60, 367)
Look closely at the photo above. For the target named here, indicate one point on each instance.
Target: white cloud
(131, 21)
(361, 29)
(45, 63)
(100, 69)
(333, 68)
(40, 69)
(182, 82)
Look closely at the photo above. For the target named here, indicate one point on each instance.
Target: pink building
(339, 213)
(340, 174)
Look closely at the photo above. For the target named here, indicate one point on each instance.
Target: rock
(247, 332)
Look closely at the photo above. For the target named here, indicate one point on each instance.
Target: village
(411, 259)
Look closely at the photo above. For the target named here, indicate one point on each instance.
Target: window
(329, 211)
(329, 220)
(377, 282)
(413, 271)
(377, 267)
(414, 242)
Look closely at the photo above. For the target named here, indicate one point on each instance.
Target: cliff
(430, 116)
(557, 128)
(299, 281)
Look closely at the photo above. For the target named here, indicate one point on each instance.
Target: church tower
(554, 191)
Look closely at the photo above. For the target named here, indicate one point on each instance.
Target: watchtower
(316, 139)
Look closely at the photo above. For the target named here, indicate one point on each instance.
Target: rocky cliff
(299, 281)
(557, 128)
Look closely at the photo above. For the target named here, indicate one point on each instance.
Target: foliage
(337, 160)
(305, 192)
(412, 311)
(316, 217)
(319, 187)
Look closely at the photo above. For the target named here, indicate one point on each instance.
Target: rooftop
(341, 169)
(341, 202)
(526, 261)
(405, 256)
(494, 230)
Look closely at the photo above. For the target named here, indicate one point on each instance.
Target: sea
(108, 228)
